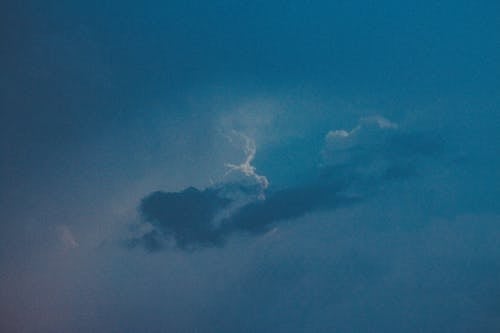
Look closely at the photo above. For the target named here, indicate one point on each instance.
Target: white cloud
(340, 143)
(246, 168)
(381, 122)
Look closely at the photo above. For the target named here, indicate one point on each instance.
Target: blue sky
(249, 166)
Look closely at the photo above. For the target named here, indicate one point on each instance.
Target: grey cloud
(377, 150)
(356, 164)
(186, 216)
(196, 218)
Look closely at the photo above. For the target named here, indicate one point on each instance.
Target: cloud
(190, 218)
(186, 216)
(257, 217)
(368, 136)
(246, 168)
(66, 237)
(376, 150)
(355, 164)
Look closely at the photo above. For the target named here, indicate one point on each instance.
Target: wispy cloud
(246, 168)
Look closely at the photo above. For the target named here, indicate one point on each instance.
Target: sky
(249, 166)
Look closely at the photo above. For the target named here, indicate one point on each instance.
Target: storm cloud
(356, 163)
(249, 166)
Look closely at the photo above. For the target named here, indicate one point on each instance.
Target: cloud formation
(355, 163)
(246, 168)
(376, 150)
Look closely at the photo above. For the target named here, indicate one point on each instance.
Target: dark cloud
(190, 216)
(186, 216)
(256, 217)
(357, 162)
